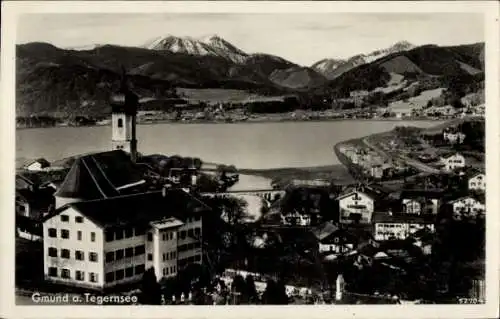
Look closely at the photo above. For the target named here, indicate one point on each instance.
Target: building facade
(103, 243)
(388, 227)
(356, 206)
(468, 207)
(453, 162)
(477, 182)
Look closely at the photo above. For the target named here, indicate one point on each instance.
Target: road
(408, 161)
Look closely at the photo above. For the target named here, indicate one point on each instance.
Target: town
(171, 230)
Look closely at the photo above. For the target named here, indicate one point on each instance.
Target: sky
(300, 38)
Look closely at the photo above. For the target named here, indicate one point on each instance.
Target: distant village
(410, 230)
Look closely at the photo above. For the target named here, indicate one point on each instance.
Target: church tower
(124, 105)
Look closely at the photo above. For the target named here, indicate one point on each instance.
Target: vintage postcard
(250, 159)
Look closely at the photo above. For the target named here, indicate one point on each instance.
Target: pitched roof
(99, 175)
(324, 230)
(478, 197)
(402, 218)
(138, 209)
(42, 161)
(372, 192)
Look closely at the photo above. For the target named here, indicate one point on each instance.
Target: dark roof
(138, 209)
(39, 198)
(431, 194)
(373, 192)
(98, 175)
(324, 230)
(401, 218)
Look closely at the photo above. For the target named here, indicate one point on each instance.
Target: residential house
(112, 241)
(398, 226)
(453, 162)
(420, 202)
(453, 136)
(357, 205)
(33, 204)
(468, 206)
(334, 240)
(38, 165)
(377, 171)
(477, 182)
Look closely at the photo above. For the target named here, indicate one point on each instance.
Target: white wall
(384, 231)
(356, 199)
(73, 244)
(478, 182)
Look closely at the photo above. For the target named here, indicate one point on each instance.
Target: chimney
(339, 288)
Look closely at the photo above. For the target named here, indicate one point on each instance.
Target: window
(120, 274)
(129, 252)
(197, 218)
(65, 233)
(110, 277)
(182, 234)
(197, 231)
(120, 123)
(197, 258)
(165, 271)
(79, 235)
(140, 231)
(80, 275)
(172, 235)
(92, 237)
(150, 257)
(191, 233)
(110, 235)
(119, 234)
(110, 256)
(119, 254)
(164, 236)
(52, 232)
(65, 273)
(79, 255)
(139, 269)
(129, 272)
(65, 218)
(78, 219)
(164, 256)
(150, 237)
(139, 250)
(52, 252)
(129, 232)
(93, 256)
(65, 253)
(93, 277)
(52, 271)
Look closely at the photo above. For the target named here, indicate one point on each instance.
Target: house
(334, 240)
(106, 242)
(38, 165)
(420, 202)
(468, 206)
(477, 182)
(453, 136)
(453, 162)
(33, 203)
(357, 205)
(391, 226)
(377, 171)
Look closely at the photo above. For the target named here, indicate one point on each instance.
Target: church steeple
(124, 105)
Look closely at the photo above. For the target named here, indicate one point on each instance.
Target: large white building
(389, 226)
(356, 206)
(468, 206)
(105, 242)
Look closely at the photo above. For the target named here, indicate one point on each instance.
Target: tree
(239, 289)
(197, 163)
(251, 291)
(269, 296)
(150, 288)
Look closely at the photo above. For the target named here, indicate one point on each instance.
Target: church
(108, 227)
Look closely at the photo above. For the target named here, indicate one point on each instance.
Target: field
(220, 95)
(415, 102)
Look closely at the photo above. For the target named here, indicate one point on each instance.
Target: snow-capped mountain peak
(207, 45)
(332, 68)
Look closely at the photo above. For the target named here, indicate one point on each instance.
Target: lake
(245, 145)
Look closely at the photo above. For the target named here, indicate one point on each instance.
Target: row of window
(79, 255)
(125, 253)
(65, 219)
(192, 232)
(124, 273)
(79, 275)
(193, 219)
(66, 235)
(189, 246)
(119, 234)
(169, 270)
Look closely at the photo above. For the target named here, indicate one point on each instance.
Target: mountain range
(55, 80)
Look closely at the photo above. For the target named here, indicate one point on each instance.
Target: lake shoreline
(257, 121)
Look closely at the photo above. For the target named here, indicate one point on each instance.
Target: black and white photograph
(251, 158)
